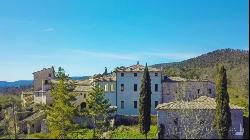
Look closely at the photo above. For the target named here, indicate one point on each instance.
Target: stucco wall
(110, 93)
(129, 95)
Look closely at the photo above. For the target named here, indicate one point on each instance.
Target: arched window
(112, 88)
(106, 88)
(82, 106)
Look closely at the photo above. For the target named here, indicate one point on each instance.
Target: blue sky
(84, 36)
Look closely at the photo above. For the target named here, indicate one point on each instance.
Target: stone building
(108, 83)
(42, 85)
(177, 88)
(42, 78)
(122, 88)
(193, 119)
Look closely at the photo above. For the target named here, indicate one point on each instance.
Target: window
(122, 74)
(83, 105)
(84, 95)
(49, 75)
(135, 74)
(122, 87)
(122, 104)
(176, 121)
(106, 87)
(156, 103)
(112, 87)
(156, 74)
(135, 87)
(46, 82)
(209, 91)
(198, 90)
(156, 87)
(201, 122)
(135, 104)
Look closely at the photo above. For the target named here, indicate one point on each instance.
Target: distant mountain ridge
(22, 83)
(18, 83)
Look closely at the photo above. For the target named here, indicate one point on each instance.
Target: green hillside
(204, 66)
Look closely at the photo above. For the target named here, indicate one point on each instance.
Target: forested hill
(204, 66)
(229, 57)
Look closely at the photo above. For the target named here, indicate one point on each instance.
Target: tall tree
(222, 120)
(60, 115)
(145, 103)
(97, 107)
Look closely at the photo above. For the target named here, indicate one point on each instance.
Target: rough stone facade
(193, 120)
(42, 85)
(175, 88)
(42, 78)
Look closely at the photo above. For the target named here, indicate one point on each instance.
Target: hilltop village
(122, 87)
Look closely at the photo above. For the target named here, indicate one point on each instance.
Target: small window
(46, 82)
(135, 74)
(201, 122)
(135, 87)
(156, 103)
(135, 104)
(198, 90)
(156, 87)
(122, 87)
(122, 74)
(84, 95)
(112, 87)
(156, 74)
(106, 88)
(122, 104)
(209, 91)
(176, 121)
(83, 106)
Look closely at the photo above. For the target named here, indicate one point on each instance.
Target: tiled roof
(180, 79)
(202, 102)
(105, 78)
(137, 68)
(34, 116)
(83, 86)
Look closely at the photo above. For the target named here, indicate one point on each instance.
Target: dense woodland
(204, 67)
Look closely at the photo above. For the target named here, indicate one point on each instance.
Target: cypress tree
(145, 103)
(222, 120)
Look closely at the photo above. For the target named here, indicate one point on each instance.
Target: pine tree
(145, 103)
(222, 121)
(60, 115)
(97, 108)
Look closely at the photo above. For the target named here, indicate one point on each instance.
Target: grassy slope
(122, 132)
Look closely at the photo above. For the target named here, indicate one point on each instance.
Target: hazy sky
(85, 36)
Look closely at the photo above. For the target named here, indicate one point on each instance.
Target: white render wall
(129, 95)
(110, 94)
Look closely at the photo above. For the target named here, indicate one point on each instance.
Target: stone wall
(187, 91)
(195, 124)
(43, 77)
